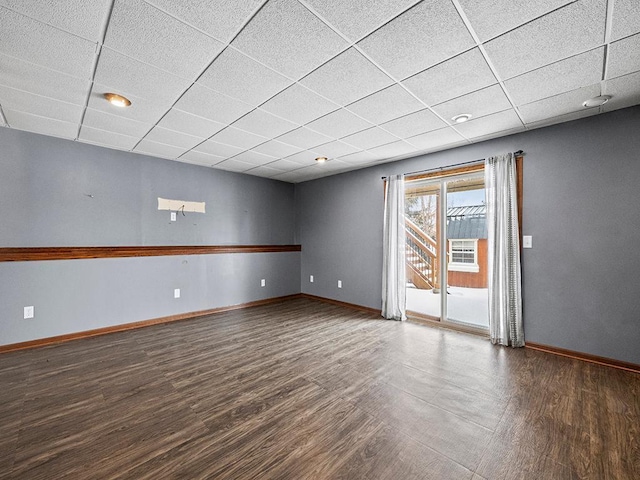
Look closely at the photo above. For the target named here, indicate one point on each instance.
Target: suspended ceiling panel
(264, 87)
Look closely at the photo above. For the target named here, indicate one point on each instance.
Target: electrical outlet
(339, 283)
(310, 278)
(28, 312)
(263, 282)
(176, 293)
(527, 241)
(173, 216)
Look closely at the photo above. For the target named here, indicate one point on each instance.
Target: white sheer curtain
(393, 267)
(505, 295)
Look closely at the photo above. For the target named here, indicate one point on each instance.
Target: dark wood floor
(304, 390)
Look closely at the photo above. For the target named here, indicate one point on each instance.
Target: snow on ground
(465, 305)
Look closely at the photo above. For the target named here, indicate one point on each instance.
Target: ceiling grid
(264, 87)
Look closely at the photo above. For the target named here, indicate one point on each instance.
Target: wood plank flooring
(306, 390)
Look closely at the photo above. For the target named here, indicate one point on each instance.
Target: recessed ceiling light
(596, 101)
(321, 159)
(117, 100)
(463, 117)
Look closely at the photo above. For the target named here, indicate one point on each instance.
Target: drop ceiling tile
(264, 171)
(238, 76)
(276, 149)
(201, 158)
(114, 123)
(107, 139)
(219, 18)
(436, 139)
(171, 137)
(131, 77)
(42, 125)
(141, 109)
(562, 76)
(490, 18)
(265, 124)
(391, 150)
(347, 78)
(284, 165)
(145, 33)
(333, 166)
(385, 105)
(336, 149)
(159, 149)
(419, 122)
(460, 75)
(17, 73)
(289, 38)
(565, 32)
(338, 124)
(558, 105)
(299, 105)
(218, 149)
(304, 138)
(360, 158)
(496, 122)
(82, 18)
(483, 102)
(624, 57)
(38, 105)
(30, 40)
(372, 137)
(308, 157)
(356, 18)
(290, 177)
(624, 90)
(253, 158)
(569, 117)
(238, 138)
(425, 35)
(187, 123)
(234, 165)
(211, 105)
(626, 18)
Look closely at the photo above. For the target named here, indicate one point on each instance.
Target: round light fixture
(321, 159)
(463, 117)
(596, 101)
(117, 100)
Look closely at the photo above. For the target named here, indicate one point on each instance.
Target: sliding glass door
(447, 249)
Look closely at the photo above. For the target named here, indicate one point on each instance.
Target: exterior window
(463, 255)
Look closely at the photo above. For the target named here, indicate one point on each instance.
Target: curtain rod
(448, 167)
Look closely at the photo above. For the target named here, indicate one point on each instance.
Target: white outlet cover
(173, 216)
(311, 278)
(527, 241)
(339, 283)
(176, 293)
(263, 282)
(28, 312)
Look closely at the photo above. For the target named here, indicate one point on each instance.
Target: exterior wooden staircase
(420, 257)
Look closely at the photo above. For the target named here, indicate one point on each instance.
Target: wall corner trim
(352, 306)
(585, 357)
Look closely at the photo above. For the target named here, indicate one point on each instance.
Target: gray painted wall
(44, 183)
(581, 194)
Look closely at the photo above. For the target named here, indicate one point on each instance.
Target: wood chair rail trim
(28, 254)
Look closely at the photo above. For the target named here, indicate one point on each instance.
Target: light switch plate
(310, 278)
(263, 282)
(176, 293)
(339, 283)
(527, 241)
